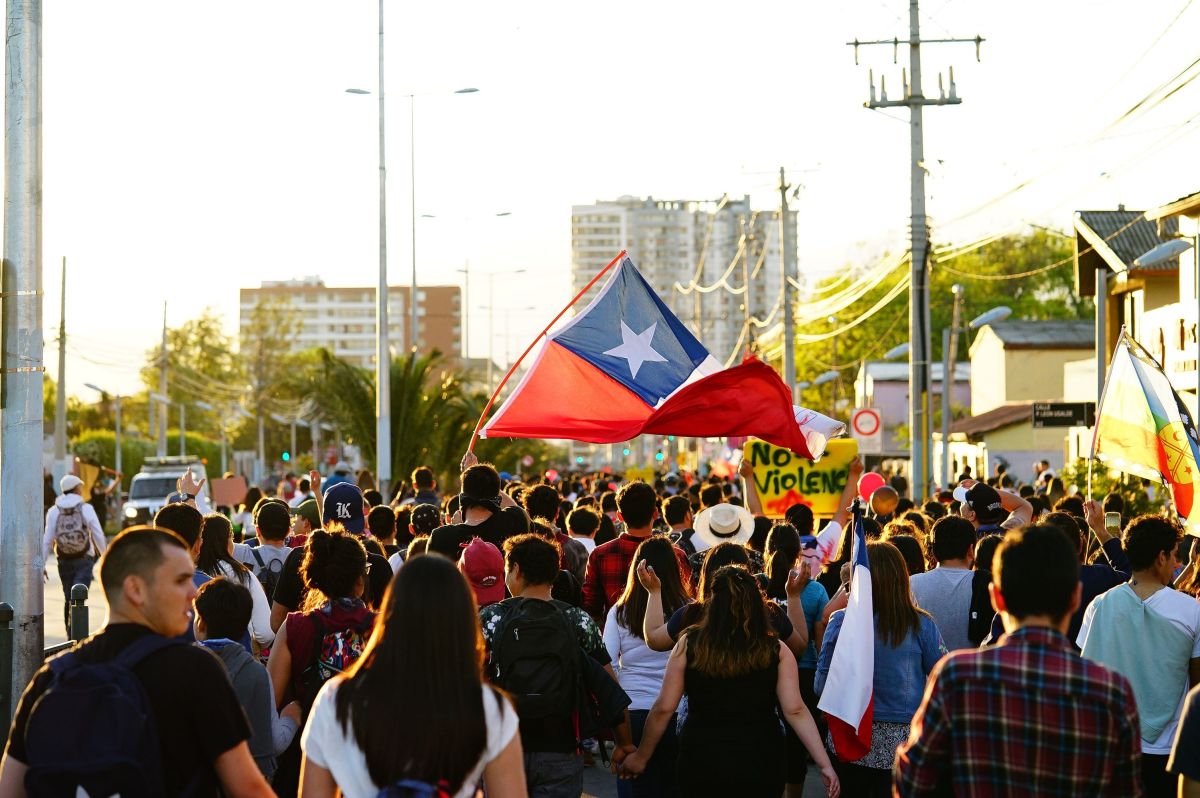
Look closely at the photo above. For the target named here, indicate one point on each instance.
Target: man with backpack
(133, 710)
(265, 560)
(551, 658)
(75, 534)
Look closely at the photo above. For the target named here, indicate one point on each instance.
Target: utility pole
(920, 427)
(22, 369)
(60, 395)
(182, 430)
(162, 389)
(789, 291)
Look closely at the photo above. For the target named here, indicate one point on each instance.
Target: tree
(202, 365)
(266, 339)
(1045, 294)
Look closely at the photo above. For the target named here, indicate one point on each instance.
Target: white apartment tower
(680, 241)
(342, 319)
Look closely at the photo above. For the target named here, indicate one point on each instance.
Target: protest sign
(784, 478)
(228, 492)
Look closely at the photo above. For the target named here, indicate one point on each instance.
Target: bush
(1104, 482)
(98, 447)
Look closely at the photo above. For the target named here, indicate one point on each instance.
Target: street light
(897, 352)
(949, 349)
(117, 438)
(221, 427)
(383, 400)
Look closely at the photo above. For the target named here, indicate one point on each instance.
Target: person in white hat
(722, 523)
(75, 534)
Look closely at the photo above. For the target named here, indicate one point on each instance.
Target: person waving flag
(848, 697)
(626, 366)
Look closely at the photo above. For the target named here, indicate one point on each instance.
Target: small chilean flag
(626, 366)
(848, 696)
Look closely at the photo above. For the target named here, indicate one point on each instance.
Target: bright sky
(192, 149)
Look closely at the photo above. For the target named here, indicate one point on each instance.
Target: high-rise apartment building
(684, 241)
(343, 319)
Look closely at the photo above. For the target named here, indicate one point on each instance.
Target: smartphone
(1112, 522)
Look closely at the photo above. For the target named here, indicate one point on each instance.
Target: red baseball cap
(483, 565)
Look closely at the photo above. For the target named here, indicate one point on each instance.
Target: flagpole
(1121, 336)
(538, 337)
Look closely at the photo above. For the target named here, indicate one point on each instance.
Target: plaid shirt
(608, 570)
(1026, 717)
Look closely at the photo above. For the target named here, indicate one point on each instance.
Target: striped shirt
(1028, 716)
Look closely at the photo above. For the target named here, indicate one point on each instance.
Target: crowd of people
(507, 635)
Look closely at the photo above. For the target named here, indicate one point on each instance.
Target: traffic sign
(1063, 414)
(866, 426)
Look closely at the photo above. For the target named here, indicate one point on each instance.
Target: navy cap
(343, 505)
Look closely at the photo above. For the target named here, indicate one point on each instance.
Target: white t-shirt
(588, 543)
(1181, 610)
(326, 744)
(945, 593)
(639, 668)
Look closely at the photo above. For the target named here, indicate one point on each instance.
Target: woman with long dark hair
(735, 672)
(414, 710)
(907, 646)
(661, 635)
(639, 668)
(216, 559)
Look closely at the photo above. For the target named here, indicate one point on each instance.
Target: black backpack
(268, 574)
(537, 659)
(93, 731)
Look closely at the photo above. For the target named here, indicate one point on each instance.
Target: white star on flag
(636, 348)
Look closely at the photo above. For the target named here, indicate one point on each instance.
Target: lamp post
(117, 425)
(949, 347)
(383, 366)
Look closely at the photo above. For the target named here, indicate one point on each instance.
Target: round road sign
(865, 422)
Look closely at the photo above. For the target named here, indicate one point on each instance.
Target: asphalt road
(599, 783)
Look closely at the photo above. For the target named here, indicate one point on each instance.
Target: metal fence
(79, 629)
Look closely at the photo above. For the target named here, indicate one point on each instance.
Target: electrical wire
(899, 288)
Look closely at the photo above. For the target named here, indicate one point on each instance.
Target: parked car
(155, 483)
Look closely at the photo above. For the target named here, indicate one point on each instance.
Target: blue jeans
(74, 572)
(658, 780)
(549, 774)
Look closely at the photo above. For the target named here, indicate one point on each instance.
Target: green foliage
(98, 447)
(1104, 482)
(1046, 295)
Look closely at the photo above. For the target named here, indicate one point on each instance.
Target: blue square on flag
(630, 334)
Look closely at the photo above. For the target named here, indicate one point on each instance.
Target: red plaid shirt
(608, 569)
(1026, 717)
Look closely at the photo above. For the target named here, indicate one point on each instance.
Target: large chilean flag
(626, 366)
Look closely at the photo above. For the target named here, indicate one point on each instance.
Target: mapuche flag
(627, 366)
(1143, 428)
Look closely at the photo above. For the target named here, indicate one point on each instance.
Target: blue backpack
(93, 730)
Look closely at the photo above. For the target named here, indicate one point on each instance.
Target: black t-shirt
(693, 613)
(290, 590)
(197, 713)
(495, 529)
(1185, 754)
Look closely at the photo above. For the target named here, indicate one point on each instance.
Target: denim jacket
(900, 672)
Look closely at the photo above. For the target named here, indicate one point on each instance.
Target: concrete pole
(789, 292)
(162, 389)
(491, 328)
(260, 464)
(182, 430)
(383, 361)
(21, 371)
(292, 431)
(918, 317)
(60, 395)
(315, 429)
(1101, 330)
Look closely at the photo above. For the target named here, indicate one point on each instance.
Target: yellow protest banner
(644, 474)
(784, 478)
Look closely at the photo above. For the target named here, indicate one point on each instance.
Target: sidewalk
(54, 630)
